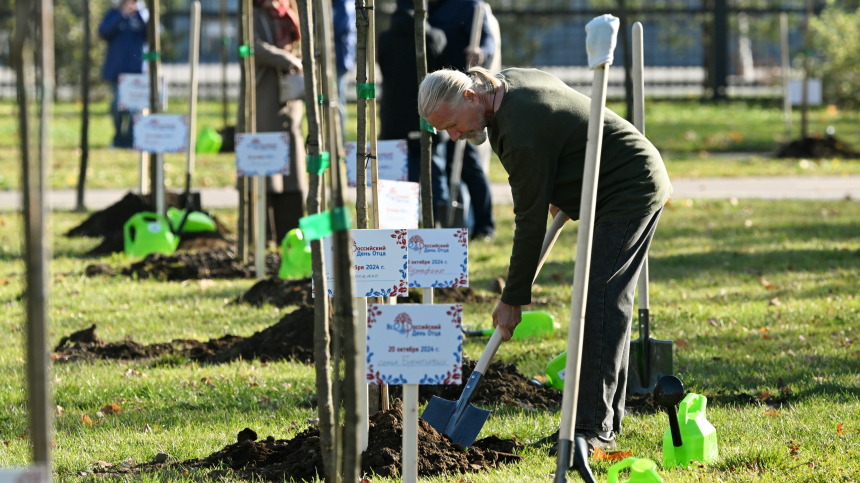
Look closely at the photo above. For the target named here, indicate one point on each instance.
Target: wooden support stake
(322, 338)
(85, 112)
(786, 73)
(426, 140)
(156, 160)
(362, 21)
(194, 60)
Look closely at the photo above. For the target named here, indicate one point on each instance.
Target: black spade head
(668, 391)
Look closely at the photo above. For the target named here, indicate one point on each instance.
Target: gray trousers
(617, 253)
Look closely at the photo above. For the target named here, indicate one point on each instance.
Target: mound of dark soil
(108, 224)
(86, 345)
(502, 384)
(456, 295)
(290, 338)
(817, 147)
(300, 458)
(278, 292)
(197, 265)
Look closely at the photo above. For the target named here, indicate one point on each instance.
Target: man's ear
(469, 95)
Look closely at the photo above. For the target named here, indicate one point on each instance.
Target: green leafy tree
(836, 36)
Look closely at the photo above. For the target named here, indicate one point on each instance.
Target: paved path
(774, 187)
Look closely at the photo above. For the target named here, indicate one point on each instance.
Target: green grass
(689, 133)
(711, 266)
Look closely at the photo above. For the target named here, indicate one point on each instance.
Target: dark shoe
(593, 439)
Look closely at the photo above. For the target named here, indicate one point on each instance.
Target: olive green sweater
(539, 134)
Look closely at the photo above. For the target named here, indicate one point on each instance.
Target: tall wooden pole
(807, 51)
(362, 22)
(156, 166)
(85, 113)
(344, 310)
(322, 357)
(37, 246)
(786, 71)
(225, 42)
(426, 140)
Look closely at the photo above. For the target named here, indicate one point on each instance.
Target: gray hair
(447, 86)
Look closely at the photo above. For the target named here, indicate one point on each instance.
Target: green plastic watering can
(295, 256)
(146, 233)
(533, 325)
(698, 436)
(197, 221)
(209, 141)
(642, 470)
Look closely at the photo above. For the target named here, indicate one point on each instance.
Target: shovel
(533, 325)
(650, 359)
(460, 420)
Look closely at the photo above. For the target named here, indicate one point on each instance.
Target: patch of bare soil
(290, 338)
(108, 225)
(300, 458)
(198, 265)
(278, 292)
(817, 147)
(502, 384)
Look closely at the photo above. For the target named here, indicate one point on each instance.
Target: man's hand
(474, 57)
(553, 210)
(506, 318)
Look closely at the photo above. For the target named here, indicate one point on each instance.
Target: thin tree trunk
(85, 113)
(322, 357)
(426, 140)
(156, 183)
(222, 17)
(361, 24)
(344, 311)
(804, 94)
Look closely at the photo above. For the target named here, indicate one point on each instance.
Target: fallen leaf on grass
(103, 464)
(147, 428)
(461, 480)
(7, 442)
(4, 281)
(774, 301)
(60, 410)
(839, 429)
(682, 344)
(766, 284)
(771, 412)
(600, 455)
(714, 322)
(88, 421)
(207, 381)
(793, 448)
(517, 404)
(763, 396)
(111, 408)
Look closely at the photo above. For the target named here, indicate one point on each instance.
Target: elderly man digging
(537, 126)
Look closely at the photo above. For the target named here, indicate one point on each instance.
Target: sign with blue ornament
(262, 154)
(439, 257)
(379, 261)
(414, 344)
(391, 161)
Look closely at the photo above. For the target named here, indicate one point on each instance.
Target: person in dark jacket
(124, 29)
(398, 104)
(454, 17)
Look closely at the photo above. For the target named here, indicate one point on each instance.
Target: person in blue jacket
(343, 13)
(124, 29)
(454, 17)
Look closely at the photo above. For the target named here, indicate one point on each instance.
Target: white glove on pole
(601, 33)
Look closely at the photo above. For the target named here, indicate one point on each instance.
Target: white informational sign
(391, 158)
(32, 474)
(379, 258)
(439, 257)
(161, 133)
(263, 154)
(133, 92)
(795, 92)
(398, 204)
(414, 344)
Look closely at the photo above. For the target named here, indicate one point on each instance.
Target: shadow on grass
(760, 262)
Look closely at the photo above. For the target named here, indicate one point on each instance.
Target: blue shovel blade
(462, 430)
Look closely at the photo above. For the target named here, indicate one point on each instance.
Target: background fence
(693, 48)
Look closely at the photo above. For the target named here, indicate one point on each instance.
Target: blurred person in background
(454, 17)
(343, 12)
(276, 30)
(398, 111)
(124, 29)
